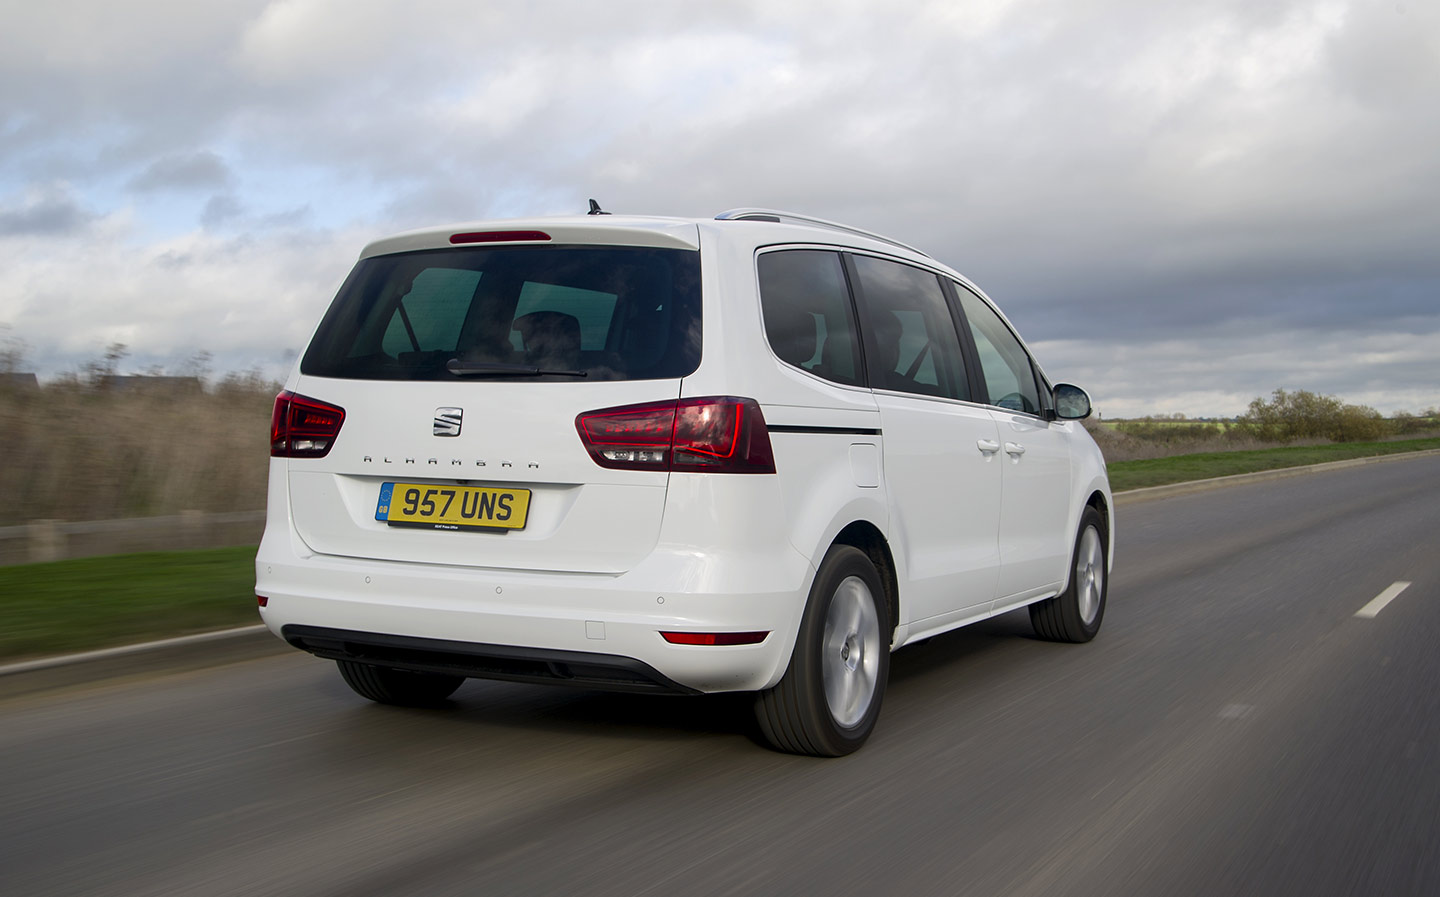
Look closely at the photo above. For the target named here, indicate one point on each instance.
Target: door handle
(1014, 448)
(987, 446)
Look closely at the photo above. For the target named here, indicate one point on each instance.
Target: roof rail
(778, 217)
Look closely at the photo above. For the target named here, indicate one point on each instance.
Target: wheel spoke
(850, 651)
(1089, 575)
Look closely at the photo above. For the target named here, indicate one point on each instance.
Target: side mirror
(1071, 402)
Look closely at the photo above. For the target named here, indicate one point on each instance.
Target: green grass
(88, 603)
(1204, 465)
(80, 605)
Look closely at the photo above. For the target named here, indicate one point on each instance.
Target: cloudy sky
(1181, 206)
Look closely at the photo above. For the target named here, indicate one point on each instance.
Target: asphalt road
(1236, 729)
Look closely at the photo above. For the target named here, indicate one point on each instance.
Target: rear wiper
(495, 369)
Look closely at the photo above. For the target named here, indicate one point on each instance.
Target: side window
(916, 347)
(428, 317)
(808, 317)
(1009, 376)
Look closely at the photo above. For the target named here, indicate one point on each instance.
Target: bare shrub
(1143, 440)
(1292, 416)
(1403, 423)
(76, 450)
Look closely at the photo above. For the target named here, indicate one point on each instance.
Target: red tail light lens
(302, 427)
(716, 434)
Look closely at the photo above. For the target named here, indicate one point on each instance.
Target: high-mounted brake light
(714, 638)
(501, 236)
(302, 427)
(715, 434)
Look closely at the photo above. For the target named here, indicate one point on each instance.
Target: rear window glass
(523, 312)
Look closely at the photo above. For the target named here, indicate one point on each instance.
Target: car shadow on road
(950, 664)
(953, 651)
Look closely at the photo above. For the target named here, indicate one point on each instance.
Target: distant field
(1141, 423)
(1183, 468)
(1122, 425)
(1143, 439)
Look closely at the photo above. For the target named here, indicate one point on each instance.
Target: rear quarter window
(809, 320)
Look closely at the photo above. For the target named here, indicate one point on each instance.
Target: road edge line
(172, 655)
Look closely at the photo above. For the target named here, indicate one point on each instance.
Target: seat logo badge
(447, 421)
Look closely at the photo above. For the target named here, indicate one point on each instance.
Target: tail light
(714, 638)
(716, 434)
(302, 427)
(500, 236)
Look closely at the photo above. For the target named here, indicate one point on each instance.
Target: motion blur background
(1212, 209)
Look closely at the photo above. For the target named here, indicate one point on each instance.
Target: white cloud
(246, 298)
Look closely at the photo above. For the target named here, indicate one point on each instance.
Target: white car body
(971, 508)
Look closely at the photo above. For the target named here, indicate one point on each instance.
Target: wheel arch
(1100, 501)
(866, 536)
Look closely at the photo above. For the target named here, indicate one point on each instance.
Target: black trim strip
(853, 431)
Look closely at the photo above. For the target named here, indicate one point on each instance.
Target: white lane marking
(1372, 610)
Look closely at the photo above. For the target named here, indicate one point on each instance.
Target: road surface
(1235, 729)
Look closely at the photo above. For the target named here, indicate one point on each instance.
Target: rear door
(465, 369)
(942, 474)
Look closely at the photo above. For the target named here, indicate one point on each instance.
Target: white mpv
(751, 453)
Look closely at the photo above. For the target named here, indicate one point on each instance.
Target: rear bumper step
(609, 672)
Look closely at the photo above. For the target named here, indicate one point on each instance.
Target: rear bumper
(596, 630)
(608, 671)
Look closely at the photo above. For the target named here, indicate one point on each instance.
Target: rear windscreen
(520, 312)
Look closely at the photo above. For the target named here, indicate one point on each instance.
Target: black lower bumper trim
(610, 672)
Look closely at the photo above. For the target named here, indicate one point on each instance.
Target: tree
(1302, 414)
(13, 351)
(98, 371)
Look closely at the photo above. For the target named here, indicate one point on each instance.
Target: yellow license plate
(430, 506)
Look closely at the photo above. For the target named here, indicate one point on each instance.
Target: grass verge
(1205, 465)
(89, 603)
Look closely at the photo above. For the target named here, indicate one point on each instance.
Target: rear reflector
(302, 427)
(714, 638)
(501, 236)
(715, 434)
(262, 600)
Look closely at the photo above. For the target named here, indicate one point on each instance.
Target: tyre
(827, 702)
(1075, 614)
(403, 687)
